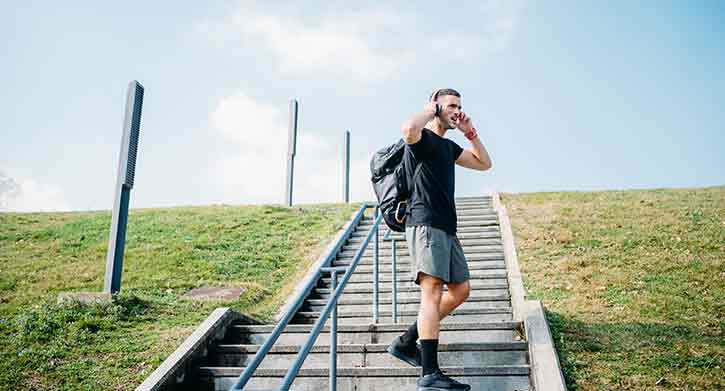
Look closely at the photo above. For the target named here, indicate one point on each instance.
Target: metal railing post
(395, 284)
(333, 336)
(375, 270)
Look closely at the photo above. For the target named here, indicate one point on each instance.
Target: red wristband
(471, 134)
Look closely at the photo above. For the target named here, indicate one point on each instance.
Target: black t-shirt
(432, 202)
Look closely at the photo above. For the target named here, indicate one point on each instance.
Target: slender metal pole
(333, 336)
(124, 183)
(395, 284)
(291, 149)
(375, 270)
(346, 169)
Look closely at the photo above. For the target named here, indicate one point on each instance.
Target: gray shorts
(436, 253)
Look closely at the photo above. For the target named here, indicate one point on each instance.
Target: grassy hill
(46, 346)
(632, 281)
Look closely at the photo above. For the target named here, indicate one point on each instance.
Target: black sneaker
(405, 353)
(437, 381)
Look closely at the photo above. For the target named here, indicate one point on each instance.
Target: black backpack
(390, 183)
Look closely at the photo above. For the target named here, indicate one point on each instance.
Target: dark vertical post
(124, 183)
(291, 149)
(346, 168)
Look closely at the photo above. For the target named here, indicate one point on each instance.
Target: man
(431, 228)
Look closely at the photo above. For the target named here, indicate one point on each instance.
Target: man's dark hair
(443, 92)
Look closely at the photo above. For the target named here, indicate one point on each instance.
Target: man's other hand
(463, 122)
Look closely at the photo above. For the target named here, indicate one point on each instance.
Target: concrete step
(367, 308)
(475, 211)
(479, 198)
(475, 230)
(386, 277)
(370, 355)
(403, 244)
(466, 210)
(349, 251)
(475, 297)
(402, 295)
(400, 237)
(402, 284)
(382, 333)
(403, 304)
(474, 204)
(384, 266)
(412, 288)
(487, 378)
(368, 259)
(477, 222)
(409, 317)
(459, 315)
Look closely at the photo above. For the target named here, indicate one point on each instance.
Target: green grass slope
(633, 283)
(46, 346)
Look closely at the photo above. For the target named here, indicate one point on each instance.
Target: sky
(565, 95)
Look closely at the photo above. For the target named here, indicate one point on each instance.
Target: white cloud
(28, 195)
(256, 171)
(328, 47)
(335, 46)
(365, 45)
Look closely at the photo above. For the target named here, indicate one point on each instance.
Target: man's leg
(431, 289)
(457, 294)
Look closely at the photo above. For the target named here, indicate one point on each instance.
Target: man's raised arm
(412, 128)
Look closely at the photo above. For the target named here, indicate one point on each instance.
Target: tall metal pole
(292, 148)
(346, 168)
(124, 183)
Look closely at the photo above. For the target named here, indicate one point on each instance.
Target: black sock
(429, 355)
(410, 335)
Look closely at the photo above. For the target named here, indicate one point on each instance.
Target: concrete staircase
(480, 343)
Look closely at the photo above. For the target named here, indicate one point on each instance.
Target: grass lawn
(47, 346)
(633, 284)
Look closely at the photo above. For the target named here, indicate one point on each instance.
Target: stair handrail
(287, 317)
(329, 307)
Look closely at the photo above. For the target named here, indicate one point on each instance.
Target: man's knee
(430, 286)
(460, 291)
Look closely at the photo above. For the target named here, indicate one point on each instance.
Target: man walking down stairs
(430, 232)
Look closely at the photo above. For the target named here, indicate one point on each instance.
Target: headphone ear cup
(434, 96)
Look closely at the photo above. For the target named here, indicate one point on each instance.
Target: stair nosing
(383, 327)
(484, 370)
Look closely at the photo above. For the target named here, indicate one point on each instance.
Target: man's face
(451, 109)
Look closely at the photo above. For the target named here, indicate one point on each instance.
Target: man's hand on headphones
(436, 107)
(463, 122)
(432, 108)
